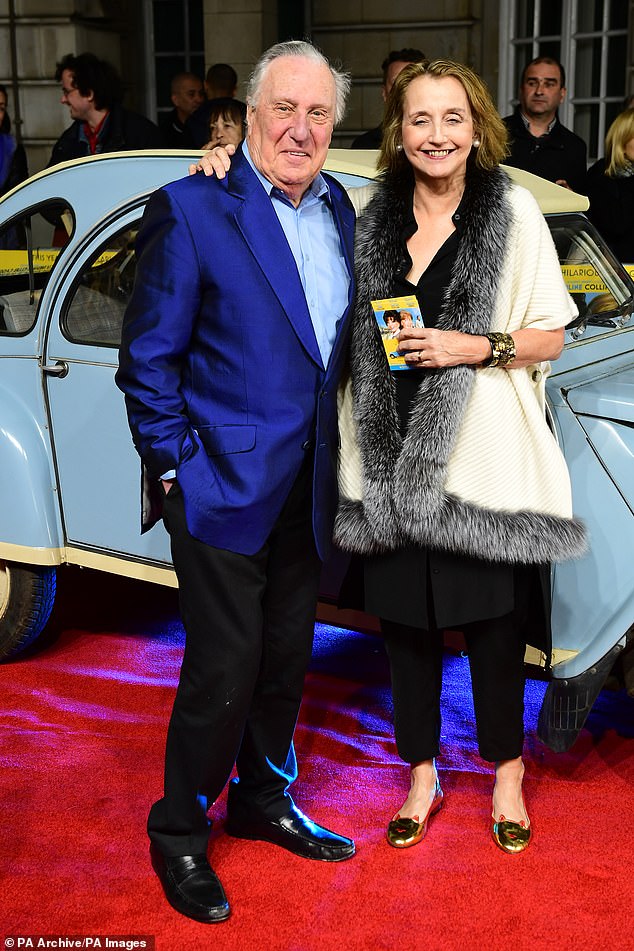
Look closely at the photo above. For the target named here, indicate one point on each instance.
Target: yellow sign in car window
(17, 262)
(583, 278)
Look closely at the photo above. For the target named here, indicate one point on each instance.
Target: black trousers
(249, 623)
(496, 650)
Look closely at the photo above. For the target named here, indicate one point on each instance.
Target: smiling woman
(451, 478)
(437, 130)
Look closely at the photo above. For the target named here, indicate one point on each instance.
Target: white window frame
(151, 55)
(511, 63)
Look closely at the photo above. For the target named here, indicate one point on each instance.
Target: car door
(590, 399)
(99, 471)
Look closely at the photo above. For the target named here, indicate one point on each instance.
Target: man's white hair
(307, 51)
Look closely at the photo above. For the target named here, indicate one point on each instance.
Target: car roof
(550, 197)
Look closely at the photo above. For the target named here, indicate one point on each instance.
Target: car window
(29, 247)
(94, 311)
(597, 282)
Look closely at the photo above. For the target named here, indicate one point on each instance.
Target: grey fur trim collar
(404, 499)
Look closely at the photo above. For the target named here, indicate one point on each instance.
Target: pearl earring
(476, 143)
(399, 147)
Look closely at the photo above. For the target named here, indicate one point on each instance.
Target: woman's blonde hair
(487, 124)
(619, 134)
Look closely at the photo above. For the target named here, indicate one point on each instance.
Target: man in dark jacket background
(187, 95)
(92, 90)
(539, 142)
(394, 62)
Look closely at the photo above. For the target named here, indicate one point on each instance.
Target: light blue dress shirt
(314, 240)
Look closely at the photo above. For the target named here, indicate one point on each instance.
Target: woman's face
(629, 150)
(437, 127)
(224, 131)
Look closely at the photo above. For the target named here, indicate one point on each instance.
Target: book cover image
(394, 314)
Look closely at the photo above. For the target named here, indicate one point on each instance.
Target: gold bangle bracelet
(502, 350)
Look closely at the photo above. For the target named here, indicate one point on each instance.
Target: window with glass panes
(590, 39)
(178, 44)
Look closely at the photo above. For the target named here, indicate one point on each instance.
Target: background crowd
(206, 112)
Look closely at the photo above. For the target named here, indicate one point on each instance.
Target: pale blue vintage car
(70, 478)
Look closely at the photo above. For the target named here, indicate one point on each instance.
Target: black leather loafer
(295, 832)
(191, 886)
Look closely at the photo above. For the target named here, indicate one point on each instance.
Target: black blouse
(424, 587)
(429, 293)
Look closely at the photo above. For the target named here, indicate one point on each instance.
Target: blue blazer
(219, 362)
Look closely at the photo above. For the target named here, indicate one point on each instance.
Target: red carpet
(83, 725)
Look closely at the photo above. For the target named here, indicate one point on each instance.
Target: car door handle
(59, 369)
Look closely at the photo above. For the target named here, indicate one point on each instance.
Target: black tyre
(27, 593)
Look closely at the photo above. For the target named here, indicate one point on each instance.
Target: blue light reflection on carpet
(341, 652)
(361, 658)
(363, 655)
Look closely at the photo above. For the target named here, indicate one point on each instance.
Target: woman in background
(611, 188)
(226, 123)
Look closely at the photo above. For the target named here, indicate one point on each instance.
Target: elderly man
(539, 142)
(236, 416)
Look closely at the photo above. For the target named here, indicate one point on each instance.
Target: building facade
(151, 40)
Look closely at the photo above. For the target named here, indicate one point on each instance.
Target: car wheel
(27, 593)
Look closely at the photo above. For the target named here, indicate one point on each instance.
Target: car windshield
(599, 285)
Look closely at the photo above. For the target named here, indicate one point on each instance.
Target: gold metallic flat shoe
(403, 832)
(511, 837)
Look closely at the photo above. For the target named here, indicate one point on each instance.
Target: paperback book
(392, 315)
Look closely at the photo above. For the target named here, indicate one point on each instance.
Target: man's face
(187, 96)
(392, 72)
(81, 107)
(290, 127)
(541, 93)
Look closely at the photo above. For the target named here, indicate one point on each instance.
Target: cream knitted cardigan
(479, 471)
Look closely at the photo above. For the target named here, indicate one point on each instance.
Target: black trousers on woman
(418, 593)
(496, 658)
